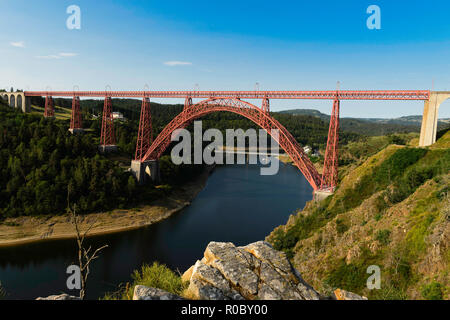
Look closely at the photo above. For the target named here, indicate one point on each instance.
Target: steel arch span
(193, 111)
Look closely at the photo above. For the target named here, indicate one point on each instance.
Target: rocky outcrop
(255, 271)
(146, 293)
(63, 296)
(340, 294)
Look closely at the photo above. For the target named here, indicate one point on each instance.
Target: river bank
(22, 230)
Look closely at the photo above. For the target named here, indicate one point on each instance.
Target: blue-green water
(237, 205)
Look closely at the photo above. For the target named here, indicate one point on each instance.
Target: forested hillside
(41, 164)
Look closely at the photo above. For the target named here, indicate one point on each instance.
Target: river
(237, 205)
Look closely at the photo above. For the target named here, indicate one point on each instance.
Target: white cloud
(177, 63)
(58, 56)
(18, 44)
(68, 54)
(51, 56)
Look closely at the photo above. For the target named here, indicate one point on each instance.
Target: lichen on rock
(252, 272)
(147, 293)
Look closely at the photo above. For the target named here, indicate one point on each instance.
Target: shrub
(394, 139)
(303, 227)
(380, 177)
(379, 203)
(378, 216)
(412, 179)
(383, 236)
(389, 292)
(404, 272)
(155, 276)
(347, 276)
(352, 276)
(415, 238)
(158, 276)
(396, 165)
(341, 227)
(432, 291)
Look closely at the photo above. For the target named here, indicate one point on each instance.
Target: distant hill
(373, 126)
(307, 112)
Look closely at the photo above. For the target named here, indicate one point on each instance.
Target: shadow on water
(237, 205)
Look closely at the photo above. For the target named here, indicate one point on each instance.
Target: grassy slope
(60, 113)
(392, 210)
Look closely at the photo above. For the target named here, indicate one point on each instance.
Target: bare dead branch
(84, 256)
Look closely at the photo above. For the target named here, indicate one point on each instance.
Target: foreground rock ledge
(146, 293)
(63, 296)
(252, 272)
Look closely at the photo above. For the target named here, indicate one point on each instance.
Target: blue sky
(231, 45)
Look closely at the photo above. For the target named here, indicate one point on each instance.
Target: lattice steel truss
(108, 136)
(49, 110)
(330, 166)
(343, 95)
(145, 134)
(76, 121)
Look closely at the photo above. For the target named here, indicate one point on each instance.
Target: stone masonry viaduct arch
(17, 100)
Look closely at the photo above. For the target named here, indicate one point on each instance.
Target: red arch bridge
(148, 150)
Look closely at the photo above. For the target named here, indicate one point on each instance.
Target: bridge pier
(320, 195)
(26, 107)
(430, 117)
(145, 170)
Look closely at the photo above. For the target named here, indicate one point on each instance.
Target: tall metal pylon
(49, 111)
(265, 107)
(75, 119)
(330, 166)
(145, 134)
(108, 137)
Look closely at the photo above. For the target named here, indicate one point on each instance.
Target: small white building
(117, 116)
(307, 149)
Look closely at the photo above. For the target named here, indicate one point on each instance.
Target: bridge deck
(343, 95)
